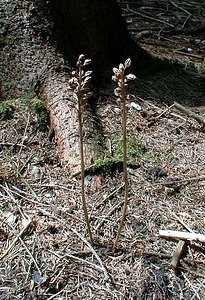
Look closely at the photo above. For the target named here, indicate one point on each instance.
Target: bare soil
(45, 250)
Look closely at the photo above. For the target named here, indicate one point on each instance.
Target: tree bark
(30, 59)
(96, 29)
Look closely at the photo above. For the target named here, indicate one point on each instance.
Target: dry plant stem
(80, 108)
(121, 93)
(123, 99)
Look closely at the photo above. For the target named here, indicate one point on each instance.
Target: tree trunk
(96, 29)
(30, 59)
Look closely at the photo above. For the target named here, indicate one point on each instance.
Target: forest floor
(45, 250)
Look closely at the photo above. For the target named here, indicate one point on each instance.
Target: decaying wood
(190, 113)
(187, 236)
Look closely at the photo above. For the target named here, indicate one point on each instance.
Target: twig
(190, 113)
(192, 287)
(181, 222)
(93, 252)
(30, 188)
(184, 10)
(149, 17)
(200, 177)
(179, 7)
(58, 293)
(195, 74)
(162, 255)
(78, 259)
(192, 272)
(110, 195)
(20, 194)
(12, 144)
(110, 213)
(181, 246)
(188, 54)
(177, 254)
(30, 254)
(187, 236)
(159, 109)
(202, 284)
(28, 222)
(164, 112)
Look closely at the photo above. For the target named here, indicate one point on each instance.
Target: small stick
(162, 255)
(158, 108)
(24, 137)
(164, 112)
(188, 54)
(28, 222)
(181, 246)
(200, 177)
(110, 213)
(12, 144)
(198, 75)
(75, 258)
(30, 254)
(187, 236)
(110, 195)
(190, 113)
(184, 10)
(179, 7)
(182, 222)
(93, 252)
(149, 17)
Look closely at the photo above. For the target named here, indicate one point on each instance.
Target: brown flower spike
(78, 85)
(121, 92)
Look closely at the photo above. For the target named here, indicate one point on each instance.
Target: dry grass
(51, 258)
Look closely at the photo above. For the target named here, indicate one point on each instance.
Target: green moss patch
(37, 106)
(6, 110)
(136, 151)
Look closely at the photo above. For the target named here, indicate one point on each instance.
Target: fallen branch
(190, 113)
(187, 236)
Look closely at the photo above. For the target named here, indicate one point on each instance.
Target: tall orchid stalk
(121, 92)
(78, 84)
